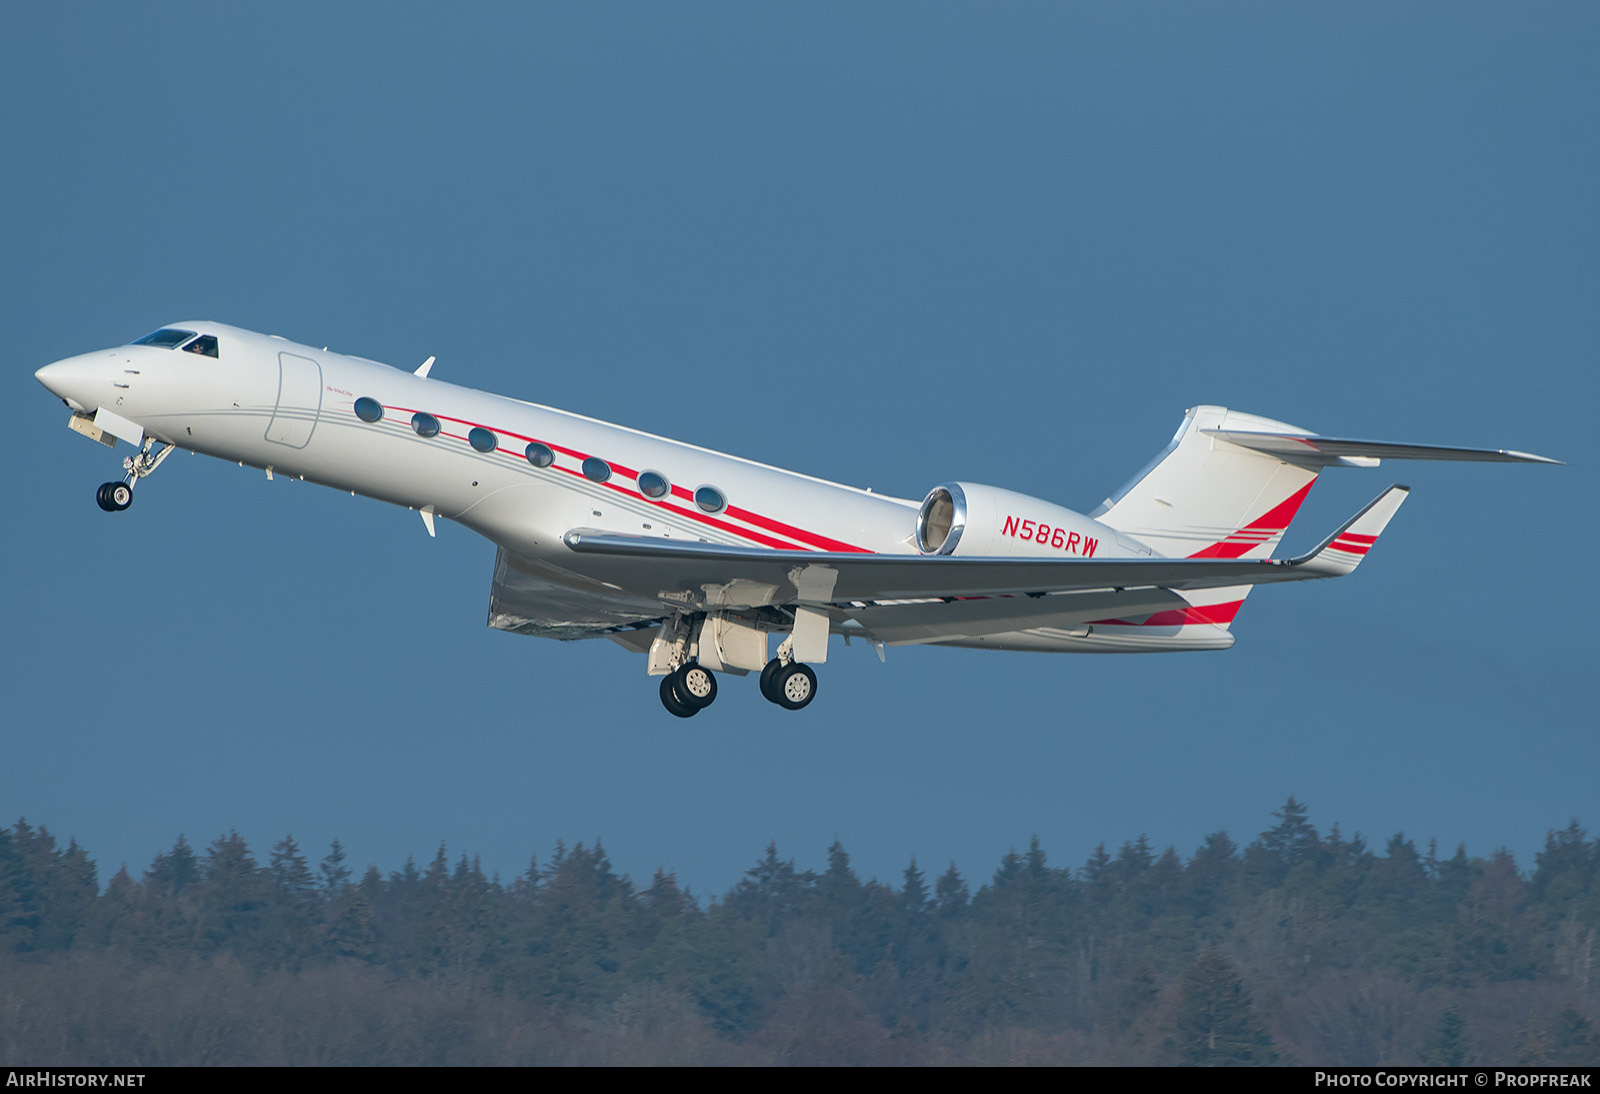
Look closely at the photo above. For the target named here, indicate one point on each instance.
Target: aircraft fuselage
(291, 408)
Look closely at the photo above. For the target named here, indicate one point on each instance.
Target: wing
(930, 597)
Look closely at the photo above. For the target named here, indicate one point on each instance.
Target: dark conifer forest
(1302, 947)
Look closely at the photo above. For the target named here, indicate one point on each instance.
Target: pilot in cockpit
(206, 344)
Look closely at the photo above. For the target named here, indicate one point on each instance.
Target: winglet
(423, 369)
(1343, 551)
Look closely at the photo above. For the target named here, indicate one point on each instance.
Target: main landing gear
(114, 497)
(688, 690)
(690, 647)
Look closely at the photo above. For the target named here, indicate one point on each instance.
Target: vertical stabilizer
(1205, 497)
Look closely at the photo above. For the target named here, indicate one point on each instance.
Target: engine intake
(942, 519)
(975, 520)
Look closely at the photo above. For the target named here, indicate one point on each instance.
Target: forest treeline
(1303, 947)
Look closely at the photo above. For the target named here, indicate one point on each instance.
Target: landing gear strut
(114, 497)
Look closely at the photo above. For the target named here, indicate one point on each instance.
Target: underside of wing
(972, 619)
(529, 597)
(616, 584)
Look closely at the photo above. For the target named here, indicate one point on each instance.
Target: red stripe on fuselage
(803, 540)
(820, 542)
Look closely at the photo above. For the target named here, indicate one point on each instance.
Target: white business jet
(693, 558)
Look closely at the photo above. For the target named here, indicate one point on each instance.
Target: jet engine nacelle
(965, 518)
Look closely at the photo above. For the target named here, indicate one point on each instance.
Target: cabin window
(369, 410)
(710, 499)
(482, 439)
(425, 424)
(205, 345)
(596, 470)
(166, 338)
(653, 484)
(540, 455)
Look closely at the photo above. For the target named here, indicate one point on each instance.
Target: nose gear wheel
(114, 497)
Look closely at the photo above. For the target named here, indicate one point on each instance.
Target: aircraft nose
(75, 380)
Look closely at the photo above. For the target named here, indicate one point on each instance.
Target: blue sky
(888, 244)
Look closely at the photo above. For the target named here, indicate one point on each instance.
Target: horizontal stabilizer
(1314, 451)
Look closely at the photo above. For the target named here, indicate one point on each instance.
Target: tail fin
(1207, 496)
(1229, 485)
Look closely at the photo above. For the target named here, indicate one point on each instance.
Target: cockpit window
(167, 338)
(206, 344)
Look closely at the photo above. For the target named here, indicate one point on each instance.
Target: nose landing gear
(114, 497)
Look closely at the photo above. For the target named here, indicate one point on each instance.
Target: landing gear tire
(670, 700)
(769, 676)
(795, 686)
(114, 497)
(695, 685)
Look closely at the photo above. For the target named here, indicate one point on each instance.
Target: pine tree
(292, 873)
(168, 902)
(235, 898)
(1212, 877)
(1217, 1026)
(335, 874)
(19, 911)
(950, 893)
(1094, 869)
(773, 891)
(295, 907)
(173, 871)
(913, 891)
(860, 928)
(68, 894)
(1284, 846)
(352, 927)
